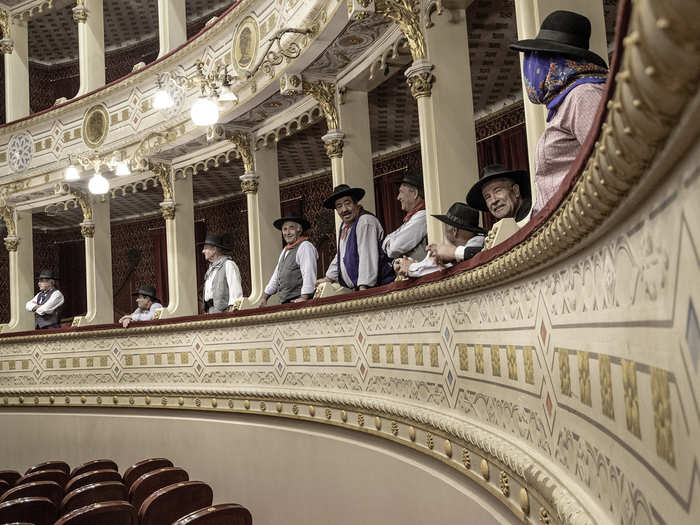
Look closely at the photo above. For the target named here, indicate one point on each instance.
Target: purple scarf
(550, 77)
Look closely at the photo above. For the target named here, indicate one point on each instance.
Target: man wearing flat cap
(222, 282)
(411, 238)
(503, 192)
(47, 303)
(294, 279)
(360, 262)
(463, 239)
(146, 305)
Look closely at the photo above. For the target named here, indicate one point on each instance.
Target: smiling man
(503, 192)
(222, 282)
(411, 238)
(294, 279)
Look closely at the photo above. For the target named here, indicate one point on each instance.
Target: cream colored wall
(283, 471)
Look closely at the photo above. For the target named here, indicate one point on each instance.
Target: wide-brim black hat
(305, 225)
(48, 274)
(148, 291)
(475, 198)
(413, 178)
(343, 190)
(216, 240)
(563, 32)
(463, 217)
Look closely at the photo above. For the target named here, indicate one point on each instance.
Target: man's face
(44, 284)
(502, 197)
(143, 302)
(347, 209)
(408, 197)
(450, 233)
(291, 231)
(209, 252)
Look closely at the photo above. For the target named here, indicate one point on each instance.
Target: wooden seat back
(39, 511)
(95, 476)
(224, 514)
(50, 465)
(149, 482)
(4, 485)
(58, 476)
(36, 489)
(11, 476)
(137, 470)
(171, 503)
(105, 513)
(94, 493)
(95, 464)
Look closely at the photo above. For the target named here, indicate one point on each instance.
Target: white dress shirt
(49, 307)
(145, 315)
(429, 265)
(369, 234)
(306, 259)
(233, 278)
(402, 240)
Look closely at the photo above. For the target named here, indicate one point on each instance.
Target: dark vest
(385, 270)
(47, 320)
(289, 276)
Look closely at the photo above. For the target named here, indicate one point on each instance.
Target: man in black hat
(560, 72)
(503, 192)
(411, 238)
(146, 305)
(360, 262)
(463, 239)
(222, 282)
(294, 279)
(47, 303)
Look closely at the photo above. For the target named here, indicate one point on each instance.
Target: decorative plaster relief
(20, 151)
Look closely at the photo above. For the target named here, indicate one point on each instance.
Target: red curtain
(386, 189)
(160, 263)
(71, 272)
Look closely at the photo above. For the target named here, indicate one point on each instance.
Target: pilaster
(91, 44)
(172, 25)
(15, 48)
(20, 245)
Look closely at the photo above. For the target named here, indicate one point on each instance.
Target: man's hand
(322, 280)
(35, 307)
(300, 299)
(401, 266)
(232, 308)
(443, 252)
(125, 321)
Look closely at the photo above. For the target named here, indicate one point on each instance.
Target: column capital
(11, 243)
(80, 12)
(167, 208)
(8, 215)
(250, 182)
(87, 229)
(420, 78)
(7, 45)
(333, 141)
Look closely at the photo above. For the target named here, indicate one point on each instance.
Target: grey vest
(219, 286)
(420, 250)
(47, 320)
(289, 277)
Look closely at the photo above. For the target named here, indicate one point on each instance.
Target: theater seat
(137, 470)
(58, 476)
(38, 511)
(4, 485)
(149, 482)
(50, 465)
(94, 493)
(174, 502)
(96, 476)
(11, 476)
(106, 513)
(36, 489)
(224, 514)
(96, 464)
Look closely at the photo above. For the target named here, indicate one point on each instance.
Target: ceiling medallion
(245, 44)
(95, 126)
(20, 151)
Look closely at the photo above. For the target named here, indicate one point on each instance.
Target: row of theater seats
(151, 492)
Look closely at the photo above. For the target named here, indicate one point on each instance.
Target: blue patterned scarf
(550, 77)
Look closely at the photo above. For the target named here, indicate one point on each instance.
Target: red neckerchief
(296, 243)
(415, 210)
(346, 227)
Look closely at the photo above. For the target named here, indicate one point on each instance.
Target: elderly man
(222, 282)
(146, 305)
(359, 263)
(464, 239)
(503, 192)
(411, 238)
(47, 303)
(294, 279)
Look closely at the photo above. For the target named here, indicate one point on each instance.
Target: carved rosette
(333, 141)
(11, 243)
(87, 229)
(420, 78)
(249, 183)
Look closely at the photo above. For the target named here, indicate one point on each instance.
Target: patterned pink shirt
(562, 138)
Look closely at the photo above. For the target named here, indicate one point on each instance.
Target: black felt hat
(463, 217)
(305, 225)
(216, 240)
(563, 32)
(148, 291)
(475, 199)
(414, 178)
(47, 274)
(343, 190)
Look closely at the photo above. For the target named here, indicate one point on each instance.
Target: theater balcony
(553, 378)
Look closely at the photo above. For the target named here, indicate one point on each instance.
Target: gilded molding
(8, 215)
(163, 173)
(241, 140)
(83, 200)
(324, 93)
(289, 128)
(334, 148)
(80, 12)
(6, 43)
(661, 401)
(406, 13)
(391, 52)
(87, 230)
(249, 184)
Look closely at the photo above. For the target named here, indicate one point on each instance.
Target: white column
(172, 25)
(181, 250)
(443, 90)
(91, 45)
(263, 194)
(16, 71)
(98, 266)
(529, 15)
(20, 246)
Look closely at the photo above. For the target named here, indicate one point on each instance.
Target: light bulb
(122, 169)
(162, 100)
(98, 185)
(205, 112)
(72, 173)
(227, 95)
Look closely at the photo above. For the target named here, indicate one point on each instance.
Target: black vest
(51, 320)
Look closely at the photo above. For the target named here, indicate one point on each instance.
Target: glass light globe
(205, 112)
(98, 185)
(72, 173)
(162, 100)
(122, 169)
(227, 95)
